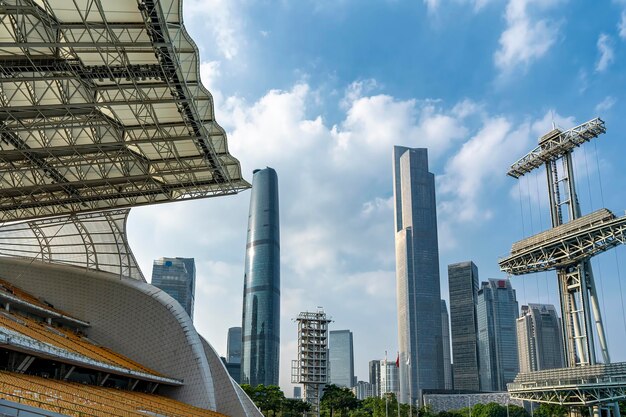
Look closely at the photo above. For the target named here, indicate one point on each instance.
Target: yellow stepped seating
(74, 399)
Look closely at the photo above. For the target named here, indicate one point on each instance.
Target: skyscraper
(417, 274)
(463, 285)
(445, 333)
(341, 358)
(539, 338)
(233, 345)
(177, 277)
(496, 314)
(374, 367)
(233, 353)
(261, 294)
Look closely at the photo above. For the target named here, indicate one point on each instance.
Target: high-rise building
(233, 353)
(233, 345)
(261, 292)
(374, 368)
(463, 286)
(539, 338)
(496, 314)
(389, 378)
(445, 333)
(177, 277)
(417, 274)
(363, 390)
(341, 358)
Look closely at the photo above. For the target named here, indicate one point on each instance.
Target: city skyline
(328, 125)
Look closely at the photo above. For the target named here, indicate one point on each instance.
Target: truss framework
(566, 249)
(95, 241)
(101, 106)
(555, 144)
(588, 386)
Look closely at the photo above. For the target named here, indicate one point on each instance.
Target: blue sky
(321, 90)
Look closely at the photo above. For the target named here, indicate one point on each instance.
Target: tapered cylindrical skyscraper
(261, 289)
(417, 275)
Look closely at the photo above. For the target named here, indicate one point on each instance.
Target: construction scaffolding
(311, 367)
(568, 248)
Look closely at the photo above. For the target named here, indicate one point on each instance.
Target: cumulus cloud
(621, 27)
(222, 19)
(605, 50)
(526, 37)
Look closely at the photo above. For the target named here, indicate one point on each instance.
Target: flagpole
(386, 383)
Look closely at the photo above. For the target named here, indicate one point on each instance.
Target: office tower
(341, 358)
(389, 378)
(374, 368)
(417, 274)
(463, 286)
(233, 345)
(261, 294)
(539, 338)
(363, 390)
(233, 353)
(445, 334)
(496, 314)
(177, 277)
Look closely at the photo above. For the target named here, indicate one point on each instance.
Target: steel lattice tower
(311, 367)
(568, 248)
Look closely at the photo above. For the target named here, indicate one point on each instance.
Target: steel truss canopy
(567, 244)
(581, 386)
(95, 241)
(101, 106)
(555, 144)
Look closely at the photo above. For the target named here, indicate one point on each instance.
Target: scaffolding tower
(311, 367)
(568, 248)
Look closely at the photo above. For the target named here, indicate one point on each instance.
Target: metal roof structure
(555, 144)
(101, 106)
(95, 241)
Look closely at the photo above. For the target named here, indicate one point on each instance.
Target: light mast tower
(568, 248)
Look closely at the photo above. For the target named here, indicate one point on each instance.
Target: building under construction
(311, 367)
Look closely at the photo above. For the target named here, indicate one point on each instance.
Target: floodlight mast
(577, 289)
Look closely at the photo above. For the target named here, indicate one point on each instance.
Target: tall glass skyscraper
(463, 286)
(233, 345)
(417, 275)
(496, 314)
(341, 358)
(177, 277)
(374, 368)
(261, 289)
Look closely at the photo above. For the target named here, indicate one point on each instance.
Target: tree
(268, 398)
(551, 410)
(338, 398)
(294, 408)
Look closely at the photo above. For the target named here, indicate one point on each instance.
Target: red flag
(398, 361)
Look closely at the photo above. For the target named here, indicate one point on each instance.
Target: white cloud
(605, 49)
(622, 25)
(222, 19)
(605, 105)
(433, 5)
(526, 37)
